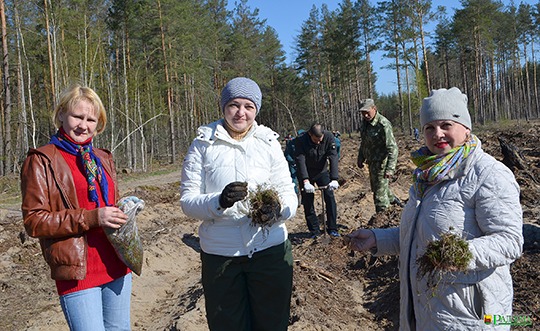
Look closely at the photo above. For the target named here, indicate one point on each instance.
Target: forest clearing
(159, 66)
(334, 289)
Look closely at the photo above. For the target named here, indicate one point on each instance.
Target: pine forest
(159, 67)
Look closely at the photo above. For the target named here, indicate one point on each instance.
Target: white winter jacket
(215, 160)
(480, 201)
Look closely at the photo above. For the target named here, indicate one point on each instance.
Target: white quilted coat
(479, 201)
(215, 160)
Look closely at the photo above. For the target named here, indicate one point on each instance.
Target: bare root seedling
(264, 206)
(448, 254)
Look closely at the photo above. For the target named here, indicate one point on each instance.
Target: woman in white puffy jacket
(246, 269)
(460, 189)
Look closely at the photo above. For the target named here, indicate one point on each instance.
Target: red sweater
(103, 265)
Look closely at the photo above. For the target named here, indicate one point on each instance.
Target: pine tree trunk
(504, 89)
(328, 115)
(112, 116)
(520, 87)
(7, 153)
(534, 80)
(22, 142)
(515, 93)
(428, 84)
(409, 111)
(49, 45)
(416, 71)
(30, 99)
(446, 70)
(527, 82)
(169, 96)
(368, 64)
(464, 72)
(141, 130)
(493, 88)
(398, 71)
(476, 90)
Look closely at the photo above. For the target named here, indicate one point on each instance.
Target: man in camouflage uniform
(378, 149)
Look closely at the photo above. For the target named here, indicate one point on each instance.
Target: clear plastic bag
(126, 240)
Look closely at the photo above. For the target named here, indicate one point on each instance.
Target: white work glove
(309, 188)
(333, 185)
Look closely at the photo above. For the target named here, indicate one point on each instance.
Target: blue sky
(287, 16)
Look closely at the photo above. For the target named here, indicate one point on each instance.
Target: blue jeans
(99, 308)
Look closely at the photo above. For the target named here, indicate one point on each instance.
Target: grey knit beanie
(241, 87)
(445, 104)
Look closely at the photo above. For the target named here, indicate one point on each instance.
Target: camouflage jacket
(378, 143)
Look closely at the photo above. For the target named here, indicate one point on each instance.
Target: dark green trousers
(244, 294)
(382, 195)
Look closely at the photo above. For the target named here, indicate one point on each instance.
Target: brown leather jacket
(51, 210)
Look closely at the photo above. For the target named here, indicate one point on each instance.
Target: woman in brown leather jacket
(69, 193)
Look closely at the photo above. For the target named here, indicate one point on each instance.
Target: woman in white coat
(246, 269)
(460, 189)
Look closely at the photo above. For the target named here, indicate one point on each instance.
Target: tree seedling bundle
(448, 254)
(265, 207)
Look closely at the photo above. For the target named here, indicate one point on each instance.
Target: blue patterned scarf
(92, 165)
(433, 167)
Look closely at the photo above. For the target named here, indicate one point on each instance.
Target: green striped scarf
(433, 167)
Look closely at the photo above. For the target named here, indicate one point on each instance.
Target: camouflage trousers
(382, 196)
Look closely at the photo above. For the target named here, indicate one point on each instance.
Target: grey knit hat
(445, 104)
(241, 87)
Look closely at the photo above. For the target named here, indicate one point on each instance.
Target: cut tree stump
(514, 159)
(512, 156)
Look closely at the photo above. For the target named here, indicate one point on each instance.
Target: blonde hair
(69, 99)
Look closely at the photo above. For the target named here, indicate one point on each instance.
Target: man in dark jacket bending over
(314, 150)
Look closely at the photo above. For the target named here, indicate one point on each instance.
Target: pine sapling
(448, 254)
(264, 206)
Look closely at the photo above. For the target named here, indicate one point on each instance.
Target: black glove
(269, 213)
(233, 192)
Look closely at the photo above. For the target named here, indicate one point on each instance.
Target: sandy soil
(334, 289)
